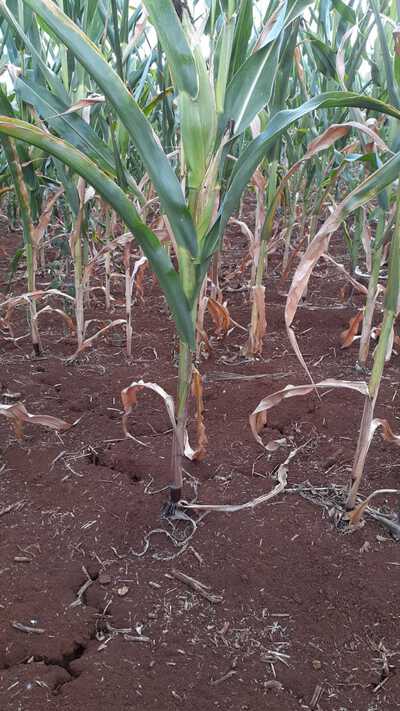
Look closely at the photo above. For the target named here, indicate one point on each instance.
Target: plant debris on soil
(106, 605)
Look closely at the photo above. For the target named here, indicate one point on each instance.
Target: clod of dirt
(93, 569)
(15, 653)
(96, 598)
(70, 650)
(77, 666)
(273, 685)
(104, 579)
(56, 677)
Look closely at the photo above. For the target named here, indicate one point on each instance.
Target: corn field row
(131, 136)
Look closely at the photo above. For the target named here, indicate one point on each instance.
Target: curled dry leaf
(197, 391)
(338, 130)
(91, 100)
(13, 71)
(354, 517)
(355, 284)
(201, 335)
(138, 275)
(298, 62)
(258, 417)
(259, 181)
(232, 508)
(220, 316)
(387, 433)
(45, 217)
(348, 336)
(34, 296)
(18, 414)
(314, 252)
(322, 143)
(110, 246)
(245, 230)
(129, 401)
(274, 444)
(68, 320)
(340, 60)
(88, 342)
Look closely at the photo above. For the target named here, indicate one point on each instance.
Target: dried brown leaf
(231, 508)
(256, 423)
(129, 401)
(68, 320)
(88, 342)
(84, 103)
(45, 217)
(258, 326)
(18, 414)
(347, 337)
(355, 516)
(220, 316)
(355, 284)
(138, 273)
(34, 296)
(314, 252)
(201, 450)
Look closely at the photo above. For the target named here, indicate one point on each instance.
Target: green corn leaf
(153, 157)
(345, 11)
(386, 54)
(243, 30)
(198, 124)
(224, 61)
(325, 56)
(116, 198)
(174, 43)
(251, 87)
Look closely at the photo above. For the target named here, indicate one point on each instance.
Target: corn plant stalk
(28, 232)
(128, 298)
(372, 293)
(185, 369)
(258, 322)
(291, 215)
(107, 259)
(77, 256)
(391, 305)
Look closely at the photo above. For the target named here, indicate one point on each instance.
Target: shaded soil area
(93, 613)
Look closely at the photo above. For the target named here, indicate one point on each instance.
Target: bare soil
(305, 616)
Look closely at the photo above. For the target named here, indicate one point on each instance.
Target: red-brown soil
(305, 610)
